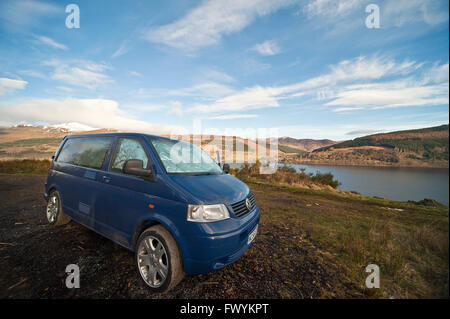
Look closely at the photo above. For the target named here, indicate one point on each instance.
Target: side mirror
(226, 168)
(136, 167)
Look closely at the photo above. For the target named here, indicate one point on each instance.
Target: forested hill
(428, 142)
(428, 147)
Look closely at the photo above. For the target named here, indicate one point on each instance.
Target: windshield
(181, 157)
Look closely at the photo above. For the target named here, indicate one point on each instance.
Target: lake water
(396, 183)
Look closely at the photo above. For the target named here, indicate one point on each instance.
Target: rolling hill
(37, 142)
(307, 145)
(41, 142)
(428, 147)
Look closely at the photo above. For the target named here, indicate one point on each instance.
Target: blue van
(166, 200)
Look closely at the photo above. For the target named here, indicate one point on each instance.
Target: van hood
(211, 189)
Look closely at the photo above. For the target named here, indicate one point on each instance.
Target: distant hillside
(290, 150)
(429, 142)
(38, 142)
(307, 145)
(422, 147)
(427, 147)
(41, 142)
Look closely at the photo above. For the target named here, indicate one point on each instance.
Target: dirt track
(283, 262)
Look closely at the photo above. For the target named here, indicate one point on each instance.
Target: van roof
(117, 134)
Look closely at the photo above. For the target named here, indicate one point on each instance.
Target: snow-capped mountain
(71, 127)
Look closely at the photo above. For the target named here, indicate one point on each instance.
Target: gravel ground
(282, 263)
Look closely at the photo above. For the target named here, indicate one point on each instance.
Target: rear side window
(85, 151)
(128, 149)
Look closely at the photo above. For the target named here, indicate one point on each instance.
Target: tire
(160, 269)
(54, 212)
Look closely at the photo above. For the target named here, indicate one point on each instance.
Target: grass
(30, 148)
(24, 167)
(409, 242)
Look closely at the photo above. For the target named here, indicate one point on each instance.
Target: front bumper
(208, 253)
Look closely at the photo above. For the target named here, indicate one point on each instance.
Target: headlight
(207, 213)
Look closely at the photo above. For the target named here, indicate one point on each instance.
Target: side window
(85, 151)
(128, 149)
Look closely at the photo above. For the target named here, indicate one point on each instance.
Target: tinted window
(128, 149)
(85, 151)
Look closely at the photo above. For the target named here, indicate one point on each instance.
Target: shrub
(326, 179)
(286, 175)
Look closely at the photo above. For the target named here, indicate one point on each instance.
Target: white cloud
(427, 88)
(24, 14)
(267, 48)
(401, 12)
(331, 8)
(204, 91)
(252, 65)
(32, 73)
(134, 73)
(80, 73)
(50, 42)
(437, 74)
(64, 88)
(216, 76)
(347, 16)
(101, 113)
(393, 12)
(206, 24)
(176, 108)
(388, 95)
(121, 50)
(347, 71)
(10, 85)
(137, 109)
(233, 116)
(250, 98)
(347, 109)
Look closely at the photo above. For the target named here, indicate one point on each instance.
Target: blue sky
(310, 69)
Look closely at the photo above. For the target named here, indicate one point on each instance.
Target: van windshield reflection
(179, 157)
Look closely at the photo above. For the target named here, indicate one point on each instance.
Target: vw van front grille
(240, 208)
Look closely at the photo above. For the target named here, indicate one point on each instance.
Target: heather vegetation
(285, 175)
(24, 167)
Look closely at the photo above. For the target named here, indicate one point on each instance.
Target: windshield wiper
(204, 173)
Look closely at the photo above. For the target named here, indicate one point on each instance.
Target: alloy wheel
(152, 261)
(52, 208)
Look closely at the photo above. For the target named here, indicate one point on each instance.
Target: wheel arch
(52, 188)
(140, 228)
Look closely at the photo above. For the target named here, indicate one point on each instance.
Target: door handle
(106, 179)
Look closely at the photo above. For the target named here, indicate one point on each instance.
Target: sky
(304, 68)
